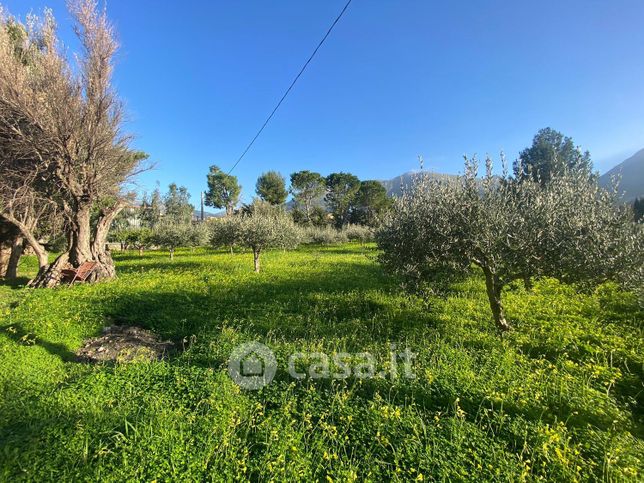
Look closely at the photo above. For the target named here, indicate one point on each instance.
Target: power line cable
(291, 86)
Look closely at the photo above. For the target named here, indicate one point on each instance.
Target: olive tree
(137, 238)
(23, 205)
(172, 235)
(570, 229)
(360, 233)
(225, 232)
(638, 210)
(262, 226)
(9, 240)
(64, 124)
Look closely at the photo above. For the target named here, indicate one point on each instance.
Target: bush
(359, 233)
(324, 236)
(329, 236)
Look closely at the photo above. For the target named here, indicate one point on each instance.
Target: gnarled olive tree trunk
(5, 254)
(99, 242)
(8, 233)
(17, 247)
(24, 234)
(80, 235)
(10, 253)
(86, 243)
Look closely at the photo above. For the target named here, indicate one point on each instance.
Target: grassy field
(560, 397)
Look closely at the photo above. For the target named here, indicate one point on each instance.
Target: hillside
(632, 173)
(207, 214)
(395, 185)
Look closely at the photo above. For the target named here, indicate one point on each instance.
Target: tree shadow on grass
(159, 260)
(181, 262)
(318, 304)
(478, 408)
(18, 334)
(628, 388)
(133, 255)
(14, 283)
(39, 432)
(159, 265)
(356, 250)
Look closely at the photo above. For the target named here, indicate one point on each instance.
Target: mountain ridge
(394, 186)
(631, 170)
(631, 184)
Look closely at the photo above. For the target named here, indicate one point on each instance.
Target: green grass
(560, 397)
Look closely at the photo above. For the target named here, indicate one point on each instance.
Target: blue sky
(394, 80)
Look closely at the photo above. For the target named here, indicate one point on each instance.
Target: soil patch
(124, 344)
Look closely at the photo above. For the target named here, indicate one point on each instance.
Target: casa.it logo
(252, 365)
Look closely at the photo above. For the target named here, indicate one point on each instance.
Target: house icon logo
(252, 365)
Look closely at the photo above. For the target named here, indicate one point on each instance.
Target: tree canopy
(307, 187)
(151, 208)
(171, 235)
(271, 187)
(341, 191)
(223, 190)
(371, 202)
(177, 204)
(550, 154)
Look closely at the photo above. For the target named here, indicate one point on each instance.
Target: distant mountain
(206, 214)
(632, 173)
(631, 184)
(395, 185)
